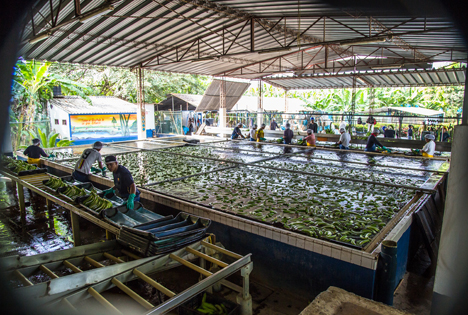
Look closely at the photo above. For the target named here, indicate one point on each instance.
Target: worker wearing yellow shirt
(429, 148)
(261, 134)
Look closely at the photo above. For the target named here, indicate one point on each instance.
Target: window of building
(64, 122)
(56, 121)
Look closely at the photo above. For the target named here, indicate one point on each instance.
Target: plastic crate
(190, 307)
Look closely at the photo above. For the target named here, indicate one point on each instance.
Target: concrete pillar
(451, 279)
(222, 104)
(141, 111)
(260, 105)
(286, 101)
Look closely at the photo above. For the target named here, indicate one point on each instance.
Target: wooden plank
(48, 272)
(153, 283)
(221, 250)
(73, 268)
(92, 262)
(113, 258)
(103, 301)
(23, 279)
(132, 294)
(206, 257)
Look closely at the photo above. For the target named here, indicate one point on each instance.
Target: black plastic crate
(120, 215)
(190, 307)
(182, 224)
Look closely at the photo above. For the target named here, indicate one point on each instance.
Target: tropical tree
(32, 87)
(122, 82)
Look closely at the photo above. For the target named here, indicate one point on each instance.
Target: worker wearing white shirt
(253, 133)
(342, 125)
(429, 148)
(345, 139)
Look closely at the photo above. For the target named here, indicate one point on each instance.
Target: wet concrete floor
(45, 230)
(42, 230)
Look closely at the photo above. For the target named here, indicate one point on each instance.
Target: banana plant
(49, 140)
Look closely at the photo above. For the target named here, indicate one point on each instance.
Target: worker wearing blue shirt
(372, 142)
(236, 133)
(123, 182)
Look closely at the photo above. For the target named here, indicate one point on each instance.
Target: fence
(23, 133)
(169, 122)
(331, 122)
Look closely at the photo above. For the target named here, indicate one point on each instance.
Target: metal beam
(200, 286)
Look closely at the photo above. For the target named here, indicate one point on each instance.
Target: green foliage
(122, 82)
(48, 140)
(447, 98)
(32, 86)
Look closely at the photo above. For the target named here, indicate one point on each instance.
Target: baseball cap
(111, 159)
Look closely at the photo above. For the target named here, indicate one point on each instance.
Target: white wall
(61, 115)
(150, 116)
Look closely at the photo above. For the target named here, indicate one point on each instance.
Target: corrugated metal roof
(374, 78)
(211, 99)
(194, 100)
(214, 37)
(101, 105)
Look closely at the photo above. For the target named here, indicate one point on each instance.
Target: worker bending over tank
(261, 133)
(345, 139)
(313, 125)
(372, 142)
(429, 148)
(253, 133)
(310, 139)
(236, 133)
(34, 152)
(123, 182)
(84, 166)
(288, 134)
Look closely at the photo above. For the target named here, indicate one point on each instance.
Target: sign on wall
(103, 126)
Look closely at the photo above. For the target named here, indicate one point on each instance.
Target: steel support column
(141, 113)
(252, 35)
(451, 279)
(260, 104)
(244, 299)
(286, 101)
(222, 104)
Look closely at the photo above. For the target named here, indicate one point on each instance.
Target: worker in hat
(236, 133)
(34, 152)
(372, 142)
(84, 166)
(253, 133)
(261, 133)
(310, 139)
(345, 139)
(429, 148)
(313, 125)
(273, 124)
(288, 134)
(410, 132)
(123, 182)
